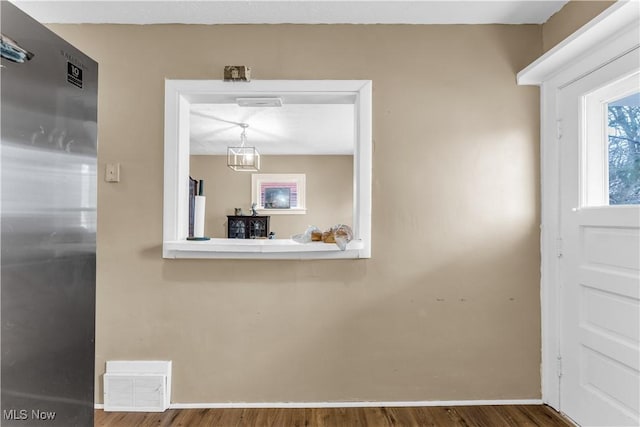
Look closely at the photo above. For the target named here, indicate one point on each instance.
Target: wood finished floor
(441, 416)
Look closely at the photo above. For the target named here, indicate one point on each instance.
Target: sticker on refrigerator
(74, 75)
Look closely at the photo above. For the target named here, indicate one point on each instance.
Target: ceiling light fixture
(243, 158)
(259, 102)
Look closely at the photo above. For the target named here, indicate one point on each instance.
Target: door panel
(601, 246)
(600, 272)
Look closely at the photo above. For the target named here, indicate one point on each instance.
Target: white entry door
(600, 245)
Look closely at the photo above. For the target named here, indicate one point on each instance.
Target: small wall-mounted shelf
(259, 249)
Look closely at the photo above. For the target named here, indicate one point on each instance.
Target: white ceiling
(292, 11)
(294, 129)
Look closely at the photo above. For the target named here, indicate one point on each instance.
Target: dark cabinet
(247, 227)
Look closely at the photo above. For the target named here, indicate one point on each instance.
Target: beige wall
(447, 308)
(567, 20)
(329, 191)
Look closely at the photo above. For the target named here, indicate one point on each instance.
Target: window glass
(623, 116)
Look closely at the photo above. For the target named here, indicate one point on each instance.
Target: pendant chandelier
(243, 158)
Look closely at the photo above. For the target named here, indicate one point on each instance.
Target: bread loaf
(328, 237)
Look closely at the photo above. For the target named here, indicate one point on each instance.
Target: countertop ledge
(249, 248)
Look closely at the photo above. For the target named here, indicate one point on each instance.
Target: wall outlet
(112, 172)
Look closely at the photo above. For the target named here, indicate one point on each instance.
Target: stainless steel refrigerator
(48, 226)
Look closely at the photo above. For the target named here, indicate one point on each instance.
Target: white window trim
(299, 179)
(180, 94)
(607, 37)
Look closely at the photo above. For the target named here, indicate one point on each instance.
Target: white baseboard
(349, 404)
(354, 404)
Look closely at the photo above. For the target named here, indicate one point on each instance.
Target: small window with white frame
(277, 193)
(611, 150)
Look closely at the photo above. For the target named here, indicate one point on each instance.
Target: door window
(610, 160)
(623, 116)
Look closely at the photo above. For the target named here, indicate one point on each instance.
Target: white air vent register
(137, 386)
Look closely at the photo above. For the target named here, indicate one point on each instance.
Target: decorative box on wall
(248, 227)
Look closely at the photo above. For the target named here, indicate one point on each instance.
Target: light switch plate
(112, 172)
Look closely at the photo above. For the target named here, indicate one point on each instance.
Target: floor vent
(137, 386)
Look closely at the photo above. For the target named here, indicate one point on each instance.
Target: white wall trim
(181, 94)
(604, 39)
(597, 31)
(364, 404)
(355, 404)
(549, 247)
